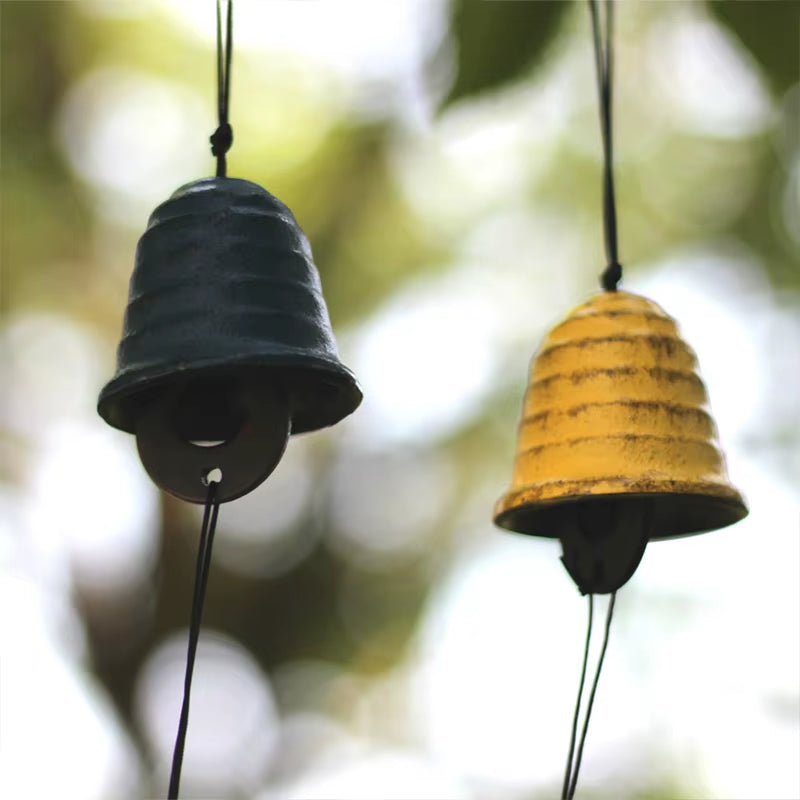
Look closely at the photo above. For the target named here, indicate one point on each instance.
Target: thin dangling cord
(207, 529)
(609, 280)
(222, 138)
(221, 141)
(604, 57)
(571, 774)
(568, 770)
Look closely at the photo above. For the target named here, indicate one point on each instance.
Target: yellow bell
(616, 445)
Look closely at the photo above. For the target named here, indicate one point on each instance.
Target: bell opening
(674, 514)
(599, 518)
(208, 413)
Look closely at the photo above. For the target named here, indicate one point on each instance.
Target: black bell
(227, 346)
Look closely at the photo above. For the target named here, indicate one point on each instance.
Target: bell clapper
(191, 435)
(604, 541)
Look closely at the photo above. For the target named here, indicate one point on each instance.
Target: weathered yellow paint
(615, 407)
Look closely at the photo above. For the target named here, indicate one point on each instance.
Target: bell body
(224, 278)
(225, 291)
(615, 413)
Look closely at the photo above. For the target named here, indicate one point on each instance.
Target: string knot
(221, 140)
(611, 276)
(604, 58)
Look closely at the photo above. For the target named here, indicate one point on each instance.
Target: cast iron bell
(616, 445)
(227, 346)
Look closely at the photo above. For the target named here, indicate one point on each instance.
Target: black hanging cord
(222, 138)
(207, 529)
(568, 770)
(568, 792)
(604, 57)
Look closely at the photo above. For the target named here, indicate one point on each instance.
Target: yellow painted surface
(615, 405)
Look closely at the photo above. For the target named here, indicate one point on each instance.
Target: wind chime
(226, 348)
(615, 445)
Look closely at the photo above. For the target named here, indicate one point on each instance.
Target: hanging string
(222, 138)
(604, 57)
(568, 770)
(571, 781)
(209, 525)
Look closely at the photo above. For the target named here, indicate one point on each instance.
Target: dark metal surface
(238, 430)
(224, 281)
(603, 541)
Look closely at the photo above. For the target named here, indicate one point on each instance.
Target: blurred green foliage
(768, 29)
(369, 242)
(499, 41)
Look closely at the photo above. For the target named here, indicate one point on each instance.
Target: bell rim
(509, 507)
(120, 391)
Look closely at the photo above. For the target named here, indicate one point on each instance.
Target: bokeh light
(48, 704)
(369, 634)
(234, 730)
(131, 135)
(383, 506)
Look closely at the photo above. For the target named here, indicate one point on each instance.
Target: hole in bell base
(210, 476)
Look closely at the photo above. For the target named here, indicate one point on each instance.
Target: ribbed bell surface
(615, 425)
(226, 344)
(224, 279)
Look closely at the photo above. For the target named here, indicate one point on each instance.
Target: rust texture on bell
(616, 444)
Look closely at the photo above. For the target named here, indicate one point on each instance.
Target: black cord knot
(221, 140)
(611, 276)
(604, 62)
